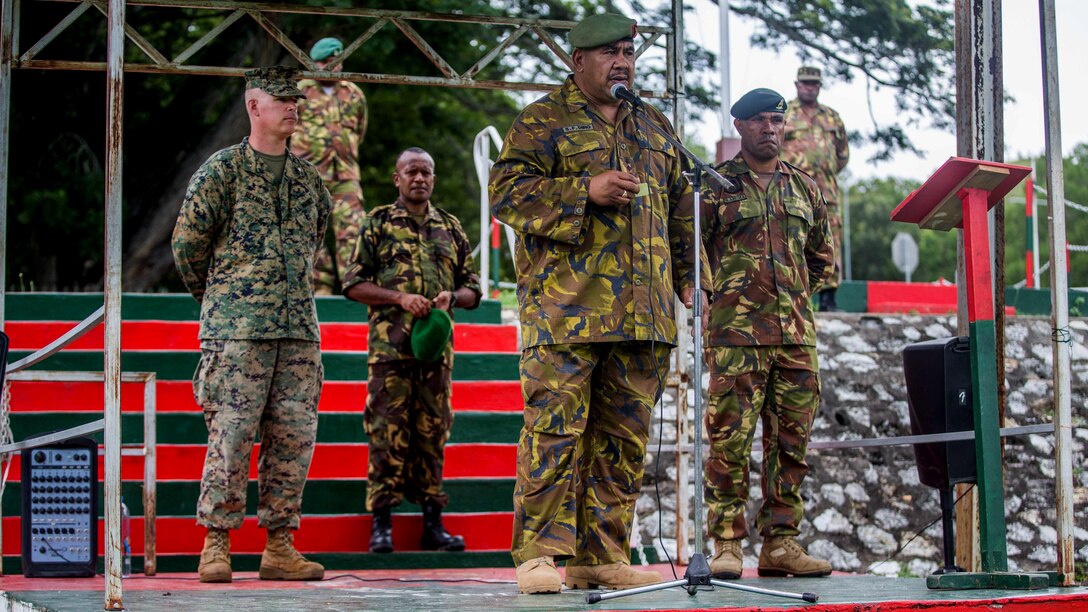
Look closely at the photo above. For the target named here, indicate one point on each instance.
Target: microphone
(619, 91)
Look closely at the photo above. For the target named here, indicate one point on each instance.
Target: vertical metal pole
(1059, 283)
(723, 66)
(966, 525)
(7, 54)
(114, 123)
(1035, 233)
(150, 474)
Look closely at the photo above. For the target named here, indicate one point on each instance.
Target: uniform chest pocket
(798, 210)
(582, 153)
(734, 212)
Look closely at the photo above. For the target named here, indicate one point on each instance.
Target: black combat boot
(827, 301)
(435, 536)
(381, 531)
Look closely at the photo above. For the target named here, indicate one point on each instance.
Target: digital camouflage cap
(279, 81)
(601, 29)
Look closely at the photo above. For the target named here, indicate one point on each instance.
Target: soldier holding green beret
(605, 245)
(412, 263)
(332, 124)
(771, 245)
(244, 245)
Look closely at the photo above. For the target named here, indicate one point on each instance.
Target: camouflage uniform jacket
(393, 253)
(331, 128)
(771, 251)
(589, 273)
(818, 146)
(245, 251)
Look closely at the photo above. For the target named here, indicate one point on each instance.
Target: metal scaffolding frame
(13, 57)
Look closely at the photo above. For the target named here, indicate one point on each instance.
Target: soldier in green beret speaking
(771, 246)
(332, 125)
(412, 263)
(244, 245)
(605, 245)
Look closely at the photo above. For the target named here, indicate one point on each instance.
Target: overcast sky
(753, 68)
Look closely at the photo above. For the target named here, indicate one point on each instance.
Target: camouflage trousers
(834, 219)
(408, 419)
(581, 451)
(270, 387)
(780, 384)
(347, 215)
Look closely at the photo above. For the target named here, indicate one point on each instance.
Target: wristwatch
(453, 299)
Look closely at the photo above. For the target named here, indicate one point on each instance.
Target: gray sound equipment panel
(60, 510)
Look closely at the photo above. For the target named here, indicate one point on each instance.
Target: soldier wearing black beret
(770, 247)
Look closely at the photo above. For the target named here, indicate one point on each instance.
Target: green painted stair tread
(337, 427)
(182, 307)
(321, 497)
(175, 365)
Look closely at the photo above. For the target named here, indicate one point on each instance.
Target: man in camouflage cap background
(815, 141)
(410, 257)
(244, 244)
(605, 244)
(332, 124)
(770, 243)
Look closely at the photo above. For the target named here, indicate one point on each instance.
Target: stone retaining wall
(862, 505)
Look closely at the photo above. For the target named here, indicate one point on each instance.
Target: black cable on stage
(919, 532)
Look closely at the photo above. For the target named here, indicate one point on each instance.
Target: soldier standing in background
(605, 244)
(332, 126)
(412, 264)
(770, 244)
(244, 244)
(815, 141)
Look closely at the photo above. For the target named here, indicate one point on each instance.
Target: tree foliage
(895, 44)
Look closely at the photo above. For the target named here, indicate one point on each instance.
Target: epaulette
(806, 175)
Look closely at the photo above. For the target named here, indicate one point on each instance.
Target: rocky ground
(864, 507)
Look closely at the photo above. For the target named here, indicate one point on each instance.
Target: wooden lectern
(959, 195)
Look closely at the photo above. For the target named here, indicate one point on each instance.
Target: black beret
(757, 101)
(597, 30)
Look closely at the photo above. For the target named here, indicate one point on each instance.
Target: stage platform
(455, 590)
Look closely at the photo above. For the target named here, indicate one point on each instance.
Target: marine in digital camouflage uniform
(244, 244)
(410, 256)
(816, 142)
(605, 245)
(332, 125)
(770, 243)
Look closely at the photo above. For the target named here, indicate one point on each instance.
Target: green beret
(325, 48)
(597, 30)
(809, 73)
(280, 81)
(757, 101)
(431, 334)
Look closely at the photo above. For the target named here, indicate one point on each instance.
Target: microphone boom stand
(698, 572)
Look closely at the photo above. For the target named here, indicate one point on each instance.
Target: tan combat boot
(215, 558)
(612, 576)
(782, 556)
(281, 561)
(539, 576)
(728, 560)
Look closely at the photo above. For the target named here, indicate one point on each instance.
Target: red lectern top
(937, 205)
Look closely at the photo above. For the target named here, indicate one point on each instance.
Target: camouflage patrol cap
(431, 334)
(601, 29)
(809, 73)
(279, 81)
(760, 100)
(326, 48)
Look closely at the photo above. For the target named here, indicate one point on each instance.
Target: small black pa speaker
(938, 375)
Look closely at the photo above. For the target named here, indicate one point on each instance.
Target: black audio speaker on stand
(60, 509)
(938, 375)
